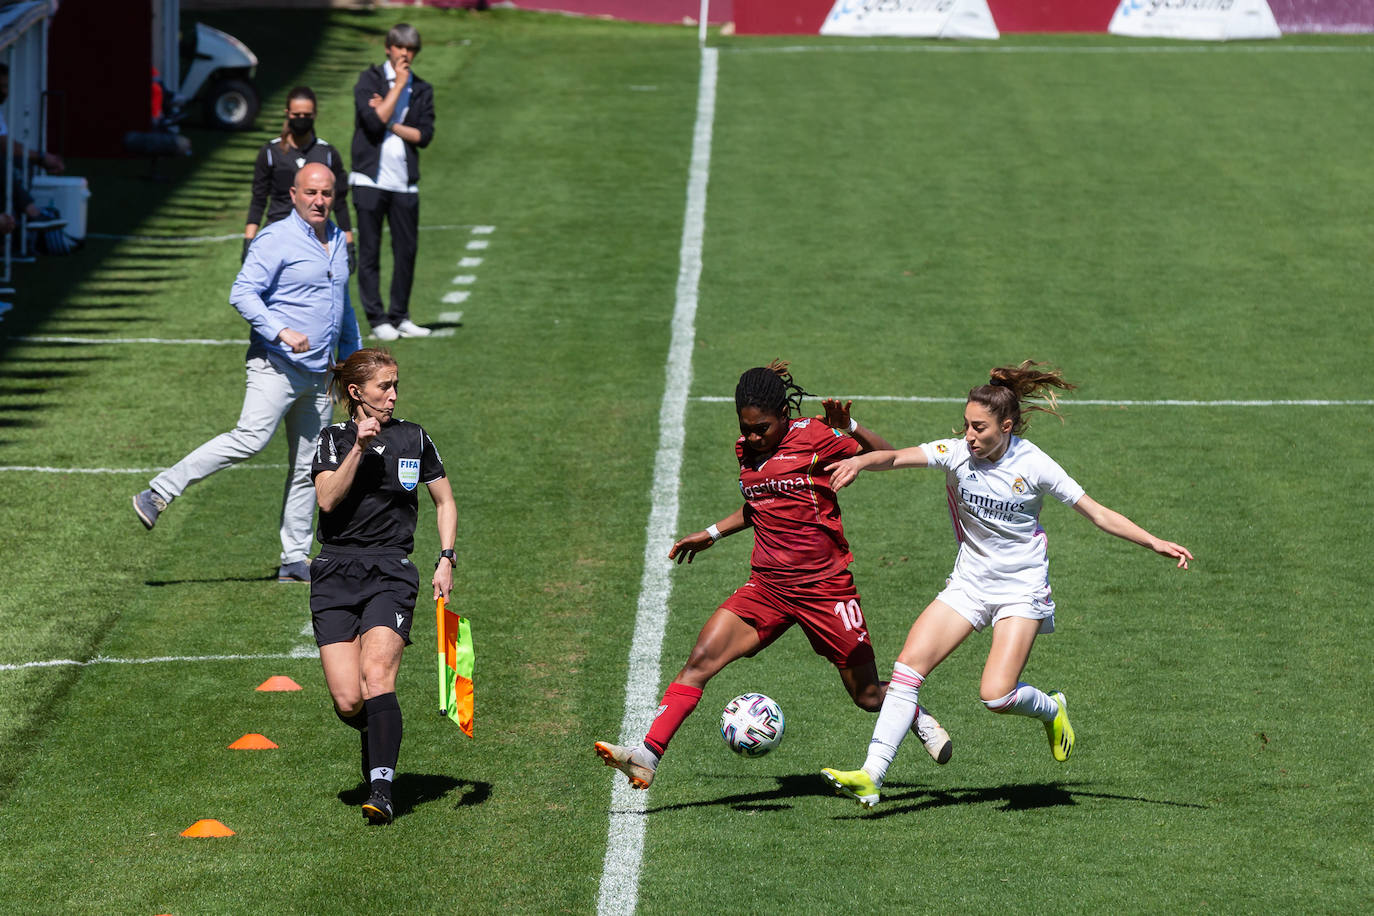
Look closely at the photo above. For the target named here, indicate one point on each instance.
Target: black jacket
(369, 130)
(275, 172)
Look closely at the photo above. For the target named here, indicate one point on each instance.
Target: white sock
(1026, 700)
(894, 721)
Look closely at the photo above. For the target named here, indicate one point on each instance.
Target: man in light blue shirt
(293, 292)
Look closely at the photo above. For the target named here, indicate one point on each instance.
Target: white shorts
(981, 609)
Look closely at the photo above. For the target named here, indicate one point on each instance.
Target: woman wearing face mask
(282, 156)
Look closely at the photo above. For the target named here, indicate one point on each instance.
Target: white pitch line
(455, 297)
(38, 469)
(1057, 49)
(237, 236)
(299, 652)
(625, 837)
(450, 317)
(1090, 402)
(201, 342)
(464, 279)
(470, 262)
(477, 245)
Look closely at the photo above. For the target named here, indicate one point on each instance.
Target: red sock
(677, 704)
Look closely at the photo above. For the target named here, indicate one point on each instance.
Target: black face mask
(301, 126)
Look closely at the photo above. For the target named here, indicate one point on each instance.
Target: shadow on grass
(216, 580)
(905, 798)
(414, 789)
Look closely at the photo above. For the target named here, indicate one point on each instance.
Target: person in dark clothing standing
(394, 120)
(280, 158)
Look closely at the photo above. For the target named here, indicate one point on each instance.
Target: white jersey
(995, 508)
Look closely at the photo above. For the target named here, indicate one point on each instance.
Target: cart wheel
(231, 104)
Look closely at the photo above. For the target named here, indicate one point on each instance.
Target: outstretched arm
(842, 473)
(693, 544)
(837, 416)
(1113, 522)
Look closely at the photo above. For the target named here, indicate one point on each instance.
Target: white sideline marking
(470, 262)
(299, 652)
(201, 342)
(455, 297)
(454, 317)
(477, 244)
(237, 236)
(37, 469)
(1060, 49)
(463, 279)
(1088, 402)
(625, 840)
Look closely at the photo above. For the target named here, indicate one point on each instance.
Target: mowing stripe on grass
(625, 839)
(1082, 402)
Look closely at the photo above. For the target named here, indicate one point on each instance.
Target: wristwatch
(447, 555)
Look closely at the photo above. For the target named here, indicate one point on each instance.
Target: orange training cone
(278, 682)
(207, 827)
(253, 742)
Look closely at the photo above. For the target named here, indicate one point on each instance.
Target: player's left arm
(446, 514)
(1113, 522)
(837, 417)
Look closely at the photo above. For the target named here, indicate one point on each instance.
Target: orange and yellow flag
(455, 666)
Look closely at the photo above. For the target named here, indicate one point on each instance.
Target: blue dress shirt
(290, 281)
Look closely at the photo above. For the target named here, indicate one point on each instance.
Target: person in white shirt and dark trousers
(394, 120)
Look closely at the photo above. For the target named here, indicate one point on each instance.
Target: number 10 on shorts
(849, 614)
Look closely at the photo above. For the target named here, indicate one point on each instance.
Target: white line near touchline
(1085, 402)
(301, 652)
(625, 837)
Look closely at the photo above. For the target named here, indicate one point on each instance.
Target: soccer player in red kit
(799, 570)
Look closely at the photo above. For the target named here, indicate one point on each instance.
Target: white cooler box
(66, 193)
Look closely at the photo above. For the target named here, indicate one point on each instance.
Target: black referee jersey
(275, 172)
(381, 508)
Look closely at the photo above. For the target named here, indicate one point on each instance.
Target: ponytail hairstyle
(1010, 386)
(770, 388)
(357, 370)
(300, 92)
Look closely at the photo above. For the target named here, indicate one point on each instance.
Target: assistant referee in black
(362, 585)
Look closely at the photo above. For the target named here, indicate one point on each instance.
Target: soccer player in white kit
(996, 482)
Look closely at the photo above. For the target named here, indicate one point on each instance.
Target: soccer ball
(751, 725)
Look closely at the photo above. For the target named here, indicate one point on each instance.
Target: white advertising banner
(911, 19)
(1207, 20)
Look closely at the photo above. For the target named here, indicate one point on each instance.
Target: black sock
(383, 740)
(359, 721)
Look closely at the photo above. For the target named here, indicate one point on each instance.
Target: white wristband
(853, 424)
(714, 532)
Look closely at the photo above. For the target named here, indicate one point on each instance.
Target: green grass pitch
(893, 217)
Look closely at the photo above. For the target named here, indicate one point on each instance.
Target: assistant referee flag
(455, 666)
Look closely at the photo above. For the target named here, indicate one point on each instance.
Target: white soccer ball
(751, 725)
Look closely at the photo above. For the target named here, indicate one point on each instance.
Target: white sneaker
(408, 328)
(385, 332)
(936, 740)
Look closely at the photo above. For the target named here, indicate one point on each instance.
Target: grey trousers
(294, 396)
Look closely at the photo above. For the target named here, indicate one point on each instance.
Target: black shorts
(352, 591)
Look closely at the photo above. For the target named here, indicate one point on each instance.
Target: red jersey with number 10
(798, 535)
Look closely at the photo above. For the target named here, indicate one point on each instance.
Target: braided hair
(770, 388)
(1009, 387)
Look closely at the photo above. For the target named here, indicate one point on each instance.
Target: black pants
(402, 214)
